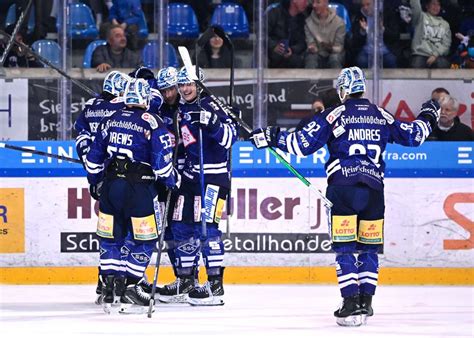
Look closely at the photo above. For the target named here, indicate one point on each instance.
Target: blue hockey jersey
(88, 121)
(216, 146)
(356, 134)
(138, 135)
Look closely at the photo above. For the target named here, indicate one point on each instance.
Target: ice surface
(290, 311)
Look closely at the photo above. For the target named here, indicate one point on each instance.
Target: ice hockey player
(219, 133)
(109, 101)
(356, 134)
(132, 150)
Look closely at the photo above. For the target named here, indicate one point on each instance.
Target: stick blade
(184, 53)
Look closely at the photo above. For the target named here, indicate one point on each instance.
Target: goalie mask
(115, 83)
(350, 81)
(137, 93)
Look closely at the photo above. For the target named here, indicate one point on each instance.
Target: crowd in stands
(300, 33)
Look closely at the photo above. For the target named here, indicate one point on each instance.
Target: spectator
(328, 99)
(127, 14)
(432, 38)
(286, 40)
(438, 94)
(325, 33)
(449, 126)
(363, 37)
(115, 53)
(215, 54)
(397, 35)
(99, 8)
(18, 56)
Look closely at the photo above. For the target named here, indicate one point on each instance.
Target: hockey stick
(39, 152)
(165, 222)
(49, 64)
(183, 51)
(228, 42)
(11, 40)
(202, 183)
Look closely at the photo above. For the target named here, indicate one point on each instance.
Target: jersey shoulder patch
(335, 113)
(151, 119)
(118, 99)
(386, 115)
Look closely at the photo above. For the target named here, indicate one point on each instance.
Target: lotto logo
(345, 223)
(371, 227)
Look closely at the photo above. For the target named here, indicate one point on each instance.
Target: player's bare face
(170, 95)
(188, 91)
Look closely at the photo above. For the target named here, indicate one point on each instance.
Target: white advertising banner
(276, 222)
(14, 109)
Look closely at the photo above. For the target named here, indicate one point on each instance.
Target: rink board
(278, 231)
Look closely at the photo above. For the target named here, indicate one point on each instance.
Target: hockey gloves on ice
(95, 190)
(205, 119)
(430, 110)
(265, 137)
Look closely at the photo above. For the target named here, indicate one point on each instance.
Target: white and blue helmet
(137, 93)
(115, 83)
(183, 77)
(166, 78)
(350, 81)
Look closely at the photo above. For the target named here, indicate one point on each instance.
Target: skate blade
(350, 321)
(213, 301)
(364, 319)
(99, 300)
(179, 299)
(131, 309)
(107, 307)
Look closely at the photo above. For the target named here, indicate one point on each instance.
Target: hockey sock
(346, 270)
(138, 259)
(368, 272)
(109, 258)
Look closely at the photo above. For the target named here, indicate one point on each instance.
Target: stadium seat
(90, 50)
(342, 12)
(48, 49)
(83, 25)
(182, 21)
(11, 17)
(150, 58)
(232, 18)
(142, 26)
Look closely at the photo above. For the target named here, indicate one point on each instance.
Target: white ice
(290, 311)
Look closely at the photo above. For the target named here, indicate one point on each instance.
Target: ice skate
(176, 292)
(349, 314)
(366, 307)
(210, 294)
(98, 292)
(108, 293)
(120, 287)
(135, 300)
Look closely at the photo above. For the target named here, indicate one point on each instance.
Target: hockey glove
(205, 119)
(95, 190)
(430, 110)
(267, 137)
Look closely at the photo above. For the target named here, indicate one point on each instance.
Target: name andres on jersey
(364, 135)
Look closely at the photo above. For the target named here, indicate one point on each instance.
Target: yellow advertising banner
(12, 220)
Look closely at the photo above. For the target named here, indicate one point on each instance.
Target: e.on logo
(462, 220)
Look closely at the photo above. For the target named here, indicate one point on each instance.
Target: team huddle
(148, 138)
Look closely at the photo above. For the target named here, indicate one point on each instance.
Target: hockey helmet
(142, 73)
(350, 81)
(115, 83)
(166, 78)
(184, 78)
(137, 93)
